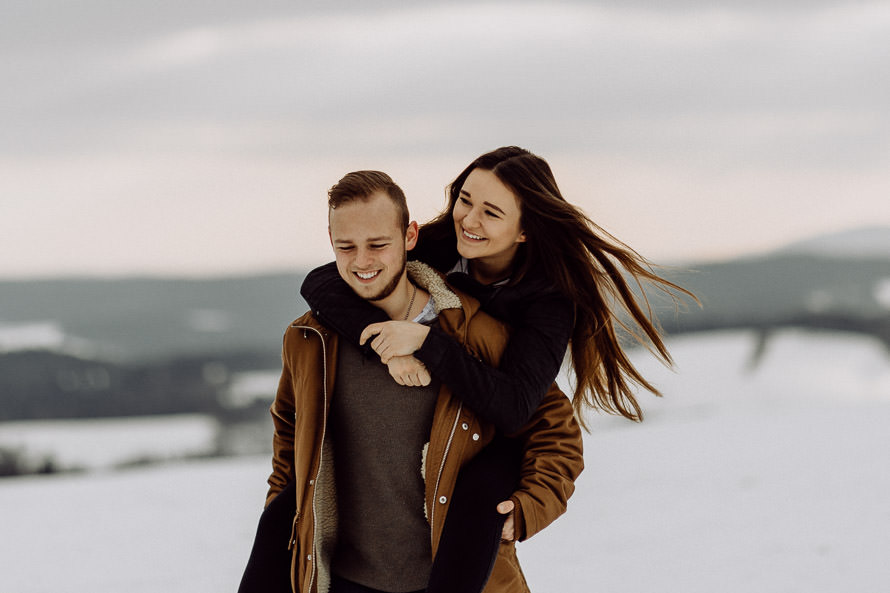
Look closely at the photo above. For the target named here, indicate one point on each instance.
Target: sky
(197, 138)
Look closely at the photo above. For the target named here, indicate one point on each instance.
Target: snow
(762, 469)
(209, 320)
(42, 335)
(102, 444)
(249, 387)
(882, 293)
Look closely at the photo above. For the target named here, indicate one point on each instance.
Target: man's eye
(378, 246)
(345, 248)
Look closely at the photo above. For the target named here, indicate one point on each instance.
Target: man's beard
(389, 288)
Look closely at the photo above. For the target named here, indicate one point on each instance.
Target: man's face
(370, 246)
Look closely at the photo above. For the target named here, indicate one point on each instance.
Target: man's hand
(409, 371)
(507, 533)
(395, 338)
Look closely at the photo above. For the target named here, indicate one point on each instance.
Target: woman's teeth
(472, 236)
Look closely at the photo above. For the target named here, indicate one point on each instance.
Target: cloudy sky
(198, 137)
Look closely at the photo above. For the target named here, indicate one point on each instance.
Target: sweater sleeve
(507, 396)
(337, 306)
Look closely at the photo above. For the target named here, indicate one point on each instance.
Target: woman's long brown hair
(583, 262)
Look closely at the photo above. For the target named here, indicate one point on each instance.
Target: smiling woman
(486, 223)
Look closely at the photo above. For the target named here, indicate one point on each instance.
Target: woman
(533, 260)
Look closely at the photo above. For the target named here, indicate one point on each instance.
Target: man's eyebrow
(382, 239)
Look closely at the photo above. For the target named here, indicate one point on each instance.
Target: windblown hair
(361, 185)
(584, 263)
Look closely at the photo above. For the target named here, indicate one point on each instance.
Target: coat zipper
(324, 425)
(441, 468)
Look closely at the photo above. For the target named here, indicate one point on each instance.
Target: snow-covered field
(760, 471)
(107, 443)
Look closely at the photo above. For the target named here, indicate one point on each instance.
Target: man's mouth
(367, 275)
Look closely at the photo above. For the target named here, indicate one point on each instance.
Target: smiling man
(371, 521)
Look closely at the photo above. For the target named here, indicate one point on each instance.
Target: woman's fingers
(408, 371)
(368, 332)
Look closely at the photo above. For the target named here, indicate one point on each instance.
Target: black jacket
(541, 320)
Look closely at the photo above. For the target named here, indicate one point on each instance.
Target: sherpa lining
(430, 280)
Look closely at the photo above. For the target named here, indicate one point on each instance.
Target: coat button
(311, 482)
(465, 426)
(443, 499)
(475, 436)
(309, 558)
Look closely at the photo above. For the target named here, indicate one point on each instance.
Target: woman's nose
(471, 219)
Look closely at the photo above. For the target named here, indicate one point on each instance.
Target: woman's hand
(409, 371)
(508, 533)
(395, 338)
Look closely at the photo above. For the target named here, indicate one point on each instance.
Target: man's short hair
(361, 185)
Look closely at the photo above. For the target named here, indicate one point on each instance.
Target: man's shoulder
(302, 326)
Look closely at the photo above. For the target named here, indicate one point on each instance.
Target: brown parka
(303, 453)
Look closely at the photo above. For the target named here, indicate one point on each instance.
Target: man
(371, 520)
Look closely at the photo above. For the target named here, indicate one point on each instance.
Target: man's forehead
(364, 220)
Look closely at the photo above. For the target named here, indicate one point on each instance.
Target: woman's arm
(336, 305)
(507, 396)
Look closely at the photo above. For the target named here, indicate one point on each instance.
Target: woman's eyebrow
(493, 207)
(488, 204)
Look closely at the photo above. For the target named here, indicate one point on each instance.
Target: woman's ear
(521, 238)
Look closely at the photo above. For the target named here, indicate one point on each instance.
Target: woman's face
(486, 221)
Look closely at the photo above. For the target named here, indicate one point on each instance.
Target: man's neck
(405, 300)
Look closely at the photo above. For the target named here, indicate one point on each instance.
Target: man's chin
(368, 293)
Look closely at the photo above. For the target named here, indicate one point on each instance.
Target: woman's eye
(463, 201)
(492, 214)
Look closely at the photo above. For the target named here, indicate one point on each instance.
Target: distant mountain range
(156, 337)
(866, 243)
(823, 282)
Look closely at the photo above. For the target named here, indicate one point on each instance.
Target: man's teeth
(472, 236)
(366, 275)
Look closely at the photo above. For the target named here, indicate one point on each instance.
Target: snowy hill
(871, 242)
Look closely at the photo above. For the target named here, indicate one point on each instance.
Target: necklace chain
(411, 302)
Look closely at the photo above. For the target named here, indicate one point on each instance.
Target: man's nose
(363, 258)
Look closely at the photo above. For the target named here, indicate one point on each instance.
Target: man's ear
(411, 235)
